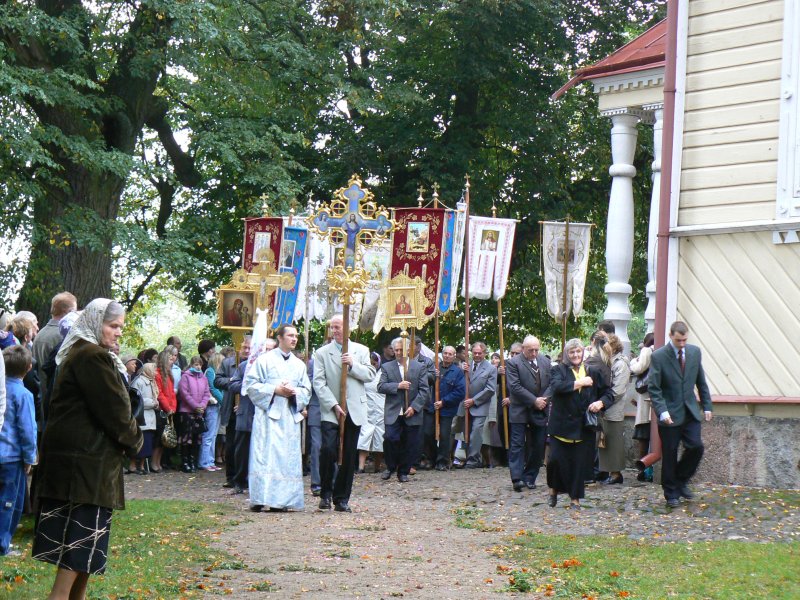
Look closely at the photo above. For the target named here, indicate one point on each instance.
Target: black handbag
(640, 383)
(590, 420)
(137, 405)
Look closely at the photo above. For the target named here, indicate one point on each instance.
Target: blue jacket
(18, 436)
(451, 390)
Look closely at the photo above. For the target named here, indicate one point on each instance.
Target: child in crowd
(193, 397)
(17, 443)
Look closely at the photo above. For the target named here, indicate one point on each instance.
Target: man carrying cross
(328, 363)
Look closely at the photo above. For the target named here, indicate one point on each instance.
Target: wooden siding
(731, 116)
(740, 296)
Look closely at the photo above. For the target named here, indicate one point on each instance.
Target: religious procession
(239, 331)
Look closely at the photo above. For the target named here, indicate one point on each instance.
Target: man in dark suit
(227, 415)
(405, 385)
(528, 376)
(675, 371)
(482, 386)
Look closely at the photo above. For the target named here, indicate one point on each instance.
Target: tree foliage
(134, 136)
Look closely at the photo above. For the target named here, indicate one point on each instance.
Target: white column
(619, 234)
(652, 229)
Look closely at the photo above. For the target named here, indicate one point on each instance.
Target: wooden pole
(466, 309)
(343, 382)
(408, 353)
(502, 364)
(436, 392)
(564, 305)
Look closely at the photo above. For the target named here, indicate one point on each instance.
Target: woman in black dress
(88, 435)
(575, 389)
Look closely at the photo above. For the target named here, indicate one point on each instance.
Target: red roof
(645, 52)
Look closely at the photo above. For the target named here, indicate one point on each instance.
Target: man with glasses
(528, 376)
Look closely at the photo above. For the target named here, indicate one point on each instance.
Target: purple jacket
(193, 391)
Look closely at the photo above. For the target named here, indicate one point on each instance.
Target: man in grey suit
(407, 391)
(314, 429)
(528, 376)
(675, 371)
(328, 363)
(482, 386)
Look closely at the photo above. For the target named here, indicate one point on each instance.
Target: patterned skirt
(72, 536)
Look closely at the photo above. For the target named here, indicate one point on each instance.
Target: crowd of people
(84, 416)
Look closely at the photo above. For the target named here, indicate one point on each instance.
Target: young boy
(17, 443)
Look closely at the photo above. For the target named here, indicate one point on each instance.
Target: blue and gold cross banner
(446, 271)
(292, 257)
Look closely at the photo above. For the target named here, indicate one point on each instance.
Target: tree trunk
(60, 263)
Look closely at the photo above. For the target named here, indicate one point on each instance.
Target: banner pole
(564, 305)
(466, 309)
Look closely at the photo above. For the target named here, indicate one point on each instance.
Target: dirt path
(437, 536)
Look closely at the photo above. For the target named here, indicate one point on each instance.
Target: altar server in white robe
(279, 388)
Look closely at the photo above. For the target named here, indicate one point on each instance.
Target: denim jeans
(12, 498)
(209, 440)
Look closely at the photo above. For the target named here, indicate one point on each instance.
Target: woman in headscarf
(89, 433)
(575, 388)
(145, 382)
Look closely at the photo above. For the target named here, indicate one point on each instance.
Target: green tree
(135, 136)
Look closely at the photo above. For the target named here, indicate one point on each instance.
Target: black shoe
(256, 507)
(237, 490)
(673, 503)
(530, 485)
(324, 503)
(386, 475)
(640, 476)
(316, 490)
(360, 471)
(227, 484)
(402, 478)
(518, 485)
(441, 468)
(186, 468)
(342, 507)
(614, 480)
(474, 466)
(273, 509)
(552, 500)
(685, 492)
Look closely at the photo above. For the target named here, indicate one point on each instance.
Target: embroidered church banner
(556, 250)
(453, 249)
(292, 260)
(491, 241)
(260, 234)
(417, 246)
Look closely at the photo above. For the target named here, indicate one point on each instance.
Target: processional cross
(352, 221)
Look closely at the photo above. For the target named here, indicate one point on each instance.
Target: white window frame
(788, 195)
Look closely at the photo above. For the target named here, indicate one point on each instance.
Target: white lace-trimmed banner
(491, 241)
(576, 252)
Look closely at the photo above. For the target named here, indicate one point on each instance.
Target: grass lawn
(157, 549)
(599, 567)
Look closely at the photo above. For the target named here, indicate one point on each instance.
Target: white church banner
(491, 241)
(557, 251)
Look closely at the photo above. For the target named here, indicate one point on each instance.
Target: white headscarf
(89, 327)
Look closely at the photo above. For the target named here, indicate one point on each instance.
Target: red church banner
(261, 233)
(417, 247)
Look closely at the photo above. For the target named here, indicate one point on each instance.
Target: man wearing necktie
(675, 371)
(528, 376)
(482, 385)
